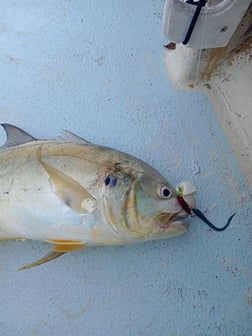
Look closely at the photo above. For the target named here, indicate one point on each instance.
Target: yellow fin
(66, 245)
(65, 242)
(52, 255)
(68, 248)
(62, 247)
(69, 190)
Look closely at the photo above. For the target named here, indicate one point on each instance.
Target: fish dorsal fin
(68, 136)
(15, 136)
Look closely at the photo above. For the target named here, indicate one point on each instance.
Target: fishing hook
(198, 213)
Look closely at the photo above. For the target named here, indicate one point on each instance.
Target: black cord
(203, 217)
(200, 4)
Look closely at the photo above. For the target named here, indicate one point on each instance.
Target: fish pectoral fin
(62, 247)
(52, 255)
(70, 191)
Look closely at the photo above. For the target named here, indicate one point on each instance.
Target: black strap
(200, 4)
(203, 217)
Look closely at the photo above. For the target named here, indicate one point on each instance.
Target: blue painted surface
(96, 68)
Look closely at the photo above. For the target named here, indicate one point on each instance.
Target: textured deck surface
(96, 68)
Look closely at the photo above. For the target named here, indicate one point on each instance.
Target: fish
(74, 194)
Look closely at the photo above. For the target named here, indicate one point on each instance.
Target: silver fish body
(74, 194)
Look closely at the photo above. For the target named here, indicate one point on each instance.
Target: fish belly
(31, 209)
(41, 215)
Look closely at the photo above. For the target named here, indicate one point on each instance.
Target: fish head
(144, 206)
(160, 215)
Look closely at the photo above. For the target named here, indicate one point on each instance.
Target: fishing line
(182, 202)
(201, 43)
(199, 4)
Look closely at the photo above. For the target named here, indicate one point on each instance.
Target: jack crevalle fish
(75, 194)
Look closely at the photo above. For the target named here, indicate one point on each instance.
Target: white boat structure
(210, 50)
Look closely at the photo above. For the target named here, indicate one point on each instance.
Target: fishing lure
(181, 198)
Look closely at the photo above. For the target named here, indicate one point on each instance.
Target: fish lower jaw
(171, 228)
(165, 221)
(172, 224)
(179, 224)
(176, 228)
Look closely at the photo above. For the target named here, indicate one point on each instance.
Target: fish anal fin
(70, 191)
(66, 245)
(64, 242)
(68, 248)
(51, 256)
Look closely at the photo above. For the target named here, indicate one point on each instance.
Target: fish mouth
(170, 225)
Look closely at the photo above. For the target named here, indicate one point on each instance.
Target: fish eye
(164, 192)
(110, 181)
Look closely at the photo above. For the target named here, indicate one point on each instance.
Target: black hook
(198, 213)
